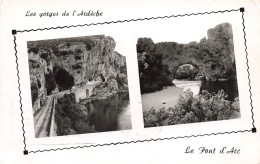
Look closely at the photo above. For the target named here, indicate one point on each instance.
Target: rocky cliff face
(216, 52)
(212, 56)
(61, 64)
(38, 68)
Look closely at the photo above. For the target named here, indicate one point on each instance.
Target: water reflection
(110, 114)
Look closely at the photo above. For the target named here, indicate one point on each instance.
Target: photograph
(190, 82)
(78, 85)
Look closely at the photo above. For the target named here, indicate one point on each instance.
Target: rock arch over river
(213, 56)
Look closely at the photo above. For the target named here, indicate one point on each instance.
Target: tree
(35, 50)
(71, 117)
(152, 73)
(213, 69)
(144, 45)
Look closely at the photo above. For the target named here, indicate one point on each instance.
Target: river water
(229, 86)
(169, 97)
(194, 86)
(110, 114)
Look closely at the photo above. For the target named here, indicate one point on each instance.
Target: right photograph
(189, 83)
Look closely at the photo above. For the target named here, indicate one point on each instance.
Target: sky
(180, 29)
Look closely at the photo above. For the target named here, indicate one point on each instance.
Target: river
(168, 97)
(229, 86)
(110, 114)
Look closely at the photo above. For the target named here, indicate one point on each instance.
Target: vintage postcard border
(14, 32)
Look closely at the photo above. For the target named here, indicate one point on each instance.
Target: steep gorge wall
(81, 59)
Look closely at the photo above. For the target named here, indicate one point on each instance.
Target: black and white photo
(189, 82)
(78, 86)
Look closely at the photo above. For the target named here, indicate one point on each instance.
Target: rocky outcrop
(213, 57)
(38, 69)
(82, 60)
(103, 90)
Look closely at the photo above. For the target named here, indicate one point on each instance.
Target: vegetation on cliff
(71, 118)
(212, 56)
(70, 65)
(153, 75)
(34, 92)
(60, 64)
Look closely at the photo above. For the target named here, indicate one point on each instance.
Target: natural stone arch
(195, 65)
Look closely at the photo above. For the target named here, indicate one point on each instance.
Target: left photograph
(78, 86)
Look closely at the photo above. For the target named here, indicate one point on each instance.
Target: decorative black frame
(14, 32)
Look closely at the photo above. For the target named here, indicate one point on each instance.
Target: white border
(128, 42)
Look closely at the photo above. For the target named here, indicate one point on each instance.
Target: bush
(45, 56)
(82, 126)
(68, 44)
(89, 43)
(34, 64)
(71, 117)
(55, 50)
(154, 117)
(191, 109)
(35, 50)
(63, 125)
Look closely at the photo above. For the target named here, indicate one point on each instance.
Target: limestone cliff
(62, 64)
(213, 57)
